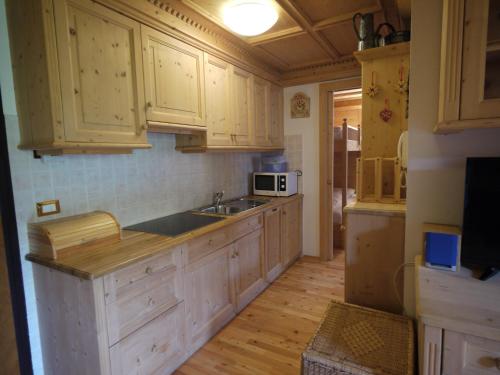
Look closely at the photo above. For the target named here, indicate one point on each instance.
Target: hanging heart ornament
(386, 113)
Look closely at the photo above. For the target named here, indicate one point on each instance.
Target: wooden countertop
(95, 260)
(458, 301)
(368, 208)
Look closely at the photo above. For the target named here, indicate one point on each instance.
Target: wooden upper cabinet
(242, 106)
(218, 101)
(262, 106)
(481, 82)
(89, 90)
(174, 80)
(276, 131)
(470, 66)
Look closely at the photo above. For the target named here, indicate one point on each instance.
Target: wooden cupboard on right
(469, 95)
(458, 322)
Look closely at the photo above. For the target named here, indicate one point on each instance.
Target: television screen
(481, 224)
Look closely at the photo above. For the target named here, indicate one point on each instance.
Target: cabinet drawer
(157, 348)
(246, 226)
(137, 294)
(207, 244)
(466, 354)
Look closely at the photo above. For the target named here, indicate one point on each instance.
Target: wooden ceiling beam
(332, 21)
(300, 17)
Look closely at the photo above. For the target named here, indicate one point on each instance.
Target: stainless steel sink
(232, 207)
(220, 209)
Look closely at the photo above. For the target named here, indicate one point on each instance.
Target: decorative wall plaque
(300, 105)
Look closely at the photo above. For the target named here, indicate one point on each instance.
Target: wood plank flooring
(269, 335)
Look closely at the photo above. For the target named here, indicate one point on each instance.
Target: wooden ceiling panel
(303, 51)
(311, 37)
(342, 35)
(319, 10)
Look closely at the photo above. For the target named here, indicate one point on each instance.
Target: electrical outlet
(47, 208)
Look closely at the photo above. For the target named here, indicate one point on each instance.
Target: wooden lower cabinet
(272, 234)
(291, 225)
(466, 354)
(150, 316)
(375, 241)
(248, 268)
(210, 296)
(159, 347)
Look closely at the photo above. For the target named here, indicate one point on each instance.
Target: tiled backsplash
(144, 185)
(293, 153)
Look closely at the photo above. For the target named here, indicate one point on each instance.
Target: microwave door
(265, 184)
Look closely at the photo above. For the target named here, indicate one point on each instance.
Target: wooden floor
(270, 334)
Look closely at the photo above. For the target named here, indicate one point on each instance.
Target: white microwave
(275, 184)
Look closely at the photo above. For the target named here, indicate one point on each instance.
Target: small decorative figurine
(386, 113)
(401, 84)
(373, 88)
(299, 106)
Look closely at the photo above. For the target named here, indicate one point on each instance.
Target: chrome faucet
(218, 197)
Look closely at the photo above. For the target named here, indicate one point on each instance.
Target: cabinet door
(272, 233)
(374, 251)
(291, 222)
(242, 108)
(157, 348)
(465, 354)
(218, 88)
(101, 74)
(249, 272)
(276, 116)
(174, 80)
(262, 104)
(210, 296)
(480, 96)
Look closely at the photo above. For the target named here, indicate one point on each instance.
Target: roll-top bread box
(55, 238)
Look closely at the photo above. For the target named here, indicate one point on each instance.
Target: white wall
(144, 185)
(306, 129)
(436, 162)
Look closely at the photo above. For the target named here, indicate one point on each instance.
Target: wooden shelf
(383, 52)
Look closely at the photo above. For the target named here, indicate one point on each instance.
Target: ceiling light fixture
(249, 17)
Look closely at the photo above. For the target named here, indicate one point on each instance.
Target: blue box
(442, 250)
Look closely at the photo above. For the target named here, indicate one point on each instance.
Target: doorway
(346, 150)
(337, 180)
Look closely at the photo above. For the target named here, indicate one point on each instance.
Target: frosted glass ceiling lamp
(249, 17)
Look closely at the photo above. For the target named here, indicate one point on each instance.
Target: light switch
(46, 208)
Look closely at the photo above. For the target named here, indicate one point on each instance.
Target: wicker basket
(358, 340)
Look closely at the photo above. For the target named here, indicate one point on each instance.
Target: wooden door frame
(325, 156)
